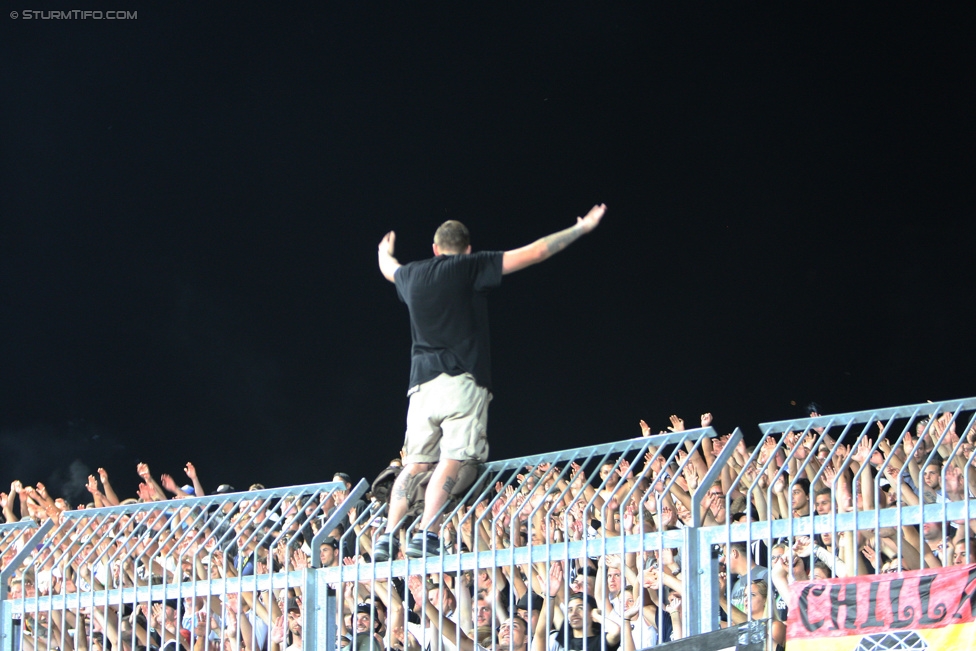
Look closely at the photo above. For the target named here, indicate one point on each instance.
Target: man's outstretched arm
(388, 264)
(549, 245)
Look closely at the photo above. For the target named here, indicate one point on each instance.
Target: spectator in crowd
(739, 562)
(513, 634)
(528, 608)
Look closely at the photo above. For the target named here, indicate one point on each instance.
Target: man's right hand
(386, 244)
(388, 264)
(592, 219)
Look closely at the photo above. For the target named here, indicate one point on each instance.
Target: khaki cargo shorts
(447, 419)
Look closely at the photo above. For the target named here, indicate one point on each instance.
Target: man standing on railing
(450, 373)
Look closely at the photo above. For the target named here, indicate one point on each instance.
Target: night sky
(191, 203)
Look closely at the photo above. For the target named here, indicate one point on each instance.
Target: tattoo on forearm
(449, 484)
(559, 241)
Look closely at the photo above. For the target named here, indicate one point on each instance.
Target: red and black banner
(933, 608)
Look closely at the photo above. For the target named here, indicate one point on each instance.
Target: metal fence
(647, 533)
(545, 527)
(874, 491)
(166, 574)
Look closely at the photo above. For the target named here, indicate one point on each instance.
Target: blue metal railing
(608, 515)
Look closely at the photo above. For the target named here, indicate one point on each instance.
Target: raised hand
(780, 566)
(884, 445)
(674, 606)
(103, 475)
(168, 483)
(631, 613)
(555, 530)
(908, 443)
(596, 616)
(863, 450)
(645, 428)
(939, 425)
(691, 477)
(143, 471)
(200, 624)
(387, 243)
(592, 219)
(677, 424)
(706, 419)
(577, 475)
(623, 469)
(146, 493)
(789, 440)
(803, 546)
(299, 560)
(681, 483)
(953, 481)
(629, 518)
(652, 579)
(278, 630)
(748, 475)
(416, 586)
(779, 486)
(709, 501)
(190, 470)
(92, 485)
(576, 529)
(649, 458)
(892, 473)
(843, 452)
(870, 555)
(829, 472)
(281, 552)
(555, 578)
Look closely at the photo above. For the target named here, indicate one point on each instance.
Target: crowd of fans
(629, 601)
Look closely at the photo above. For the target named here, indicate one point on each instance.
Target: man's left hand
(592, 219)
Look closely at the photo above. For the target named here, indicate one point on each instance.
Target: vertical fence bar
(12, 532)
(700, 572)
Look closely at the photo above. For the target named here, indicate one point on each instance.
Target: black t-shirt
(448, 301)
(593, 643)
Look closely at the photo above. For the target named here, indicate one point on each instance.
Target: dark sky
(191, 203)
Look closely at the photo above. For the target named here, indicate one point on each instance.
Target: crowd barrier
(541, 524)
(124, 570)
(539, 487)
